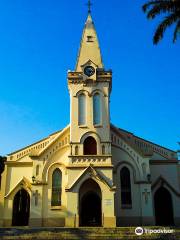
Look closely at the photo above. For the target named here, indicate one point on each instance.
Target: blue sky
(39, 41)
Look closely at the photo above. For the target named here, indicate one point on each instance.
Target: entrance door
(91, 210)
(90, 204)
(21, 207)
(163, 207)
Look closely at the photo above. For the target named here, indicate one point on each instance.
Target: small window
(56, 188)
(37, 170)
(126, 199)
(82, 109)
(103, 149)
(89, 38)
(76, 150)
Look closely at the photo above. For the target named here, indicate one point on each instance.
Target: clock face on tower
(89, 71)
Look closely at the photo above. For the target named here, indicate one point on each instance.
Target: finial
(89, 4)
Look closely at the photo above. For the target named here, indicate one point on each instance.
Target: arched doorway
(163, 207)
(90, 146)
(90, 212)
(21, 207)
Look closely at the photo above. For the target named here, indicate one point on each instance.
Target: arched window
(82, 109)
(56, 187)
(90, 146)
(96, 109)
(125, 178)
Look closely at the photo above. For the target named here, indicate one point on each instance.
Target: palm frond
(168, 21)
(176, 31)
(154, 2)
(161, 8)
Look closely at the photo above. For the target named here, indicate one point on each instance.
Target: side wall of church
(170, 173)
(138, 212)
(12, 177)
(45, 214)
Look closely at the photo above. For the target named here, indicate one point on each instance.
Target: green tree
(172, 10)
(2, 160)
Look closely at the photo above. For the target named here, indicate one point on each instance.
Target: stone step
(84, 233)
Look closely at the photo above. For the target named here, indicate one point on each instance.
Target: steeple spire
(89, 47)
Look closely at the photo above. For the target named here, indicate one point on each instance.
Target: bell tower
(89, 87)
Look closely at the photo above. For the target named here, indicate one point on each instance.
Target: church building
(91, 173)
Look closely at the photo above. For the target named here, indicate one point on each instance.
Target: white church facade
(91, 173)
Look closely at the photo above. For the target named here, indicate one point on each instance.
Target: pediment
(90, 172)
(23, 183)
(89, 63)
(161, 182)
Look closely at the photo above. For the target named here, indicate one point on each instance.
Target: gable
(89, 172)
(144, 147)
(23, 183)
(40, 147)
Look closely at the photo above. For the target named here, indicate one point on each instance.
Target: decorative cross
(89, 4)
(146, 195)
(36, 195)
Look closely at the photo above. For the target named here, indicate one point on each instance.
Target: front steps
(85, 233)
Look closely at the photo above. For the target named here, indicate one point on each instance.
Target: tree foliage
(2, 160)
(172, 10)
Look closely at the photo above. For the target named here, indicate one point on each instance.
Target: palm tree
(169, 7)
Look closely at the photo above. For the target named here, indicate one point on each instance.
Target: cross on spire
(89, 4)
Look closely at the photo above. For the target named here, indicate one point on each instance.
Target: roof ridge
(120, 129)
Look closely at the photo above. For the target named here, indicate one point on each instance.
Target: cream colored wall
(2, 193)
(58, 160)
(120, 156)
(120, 159)
(12, 177)
(168, 172)
(49, 211)
(140, 212)
(135, 191)
(77, 131)
(15, 174)
(73, 196)
(60, 157)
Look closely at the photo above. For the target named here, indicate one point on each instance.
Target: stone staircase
(85, 233)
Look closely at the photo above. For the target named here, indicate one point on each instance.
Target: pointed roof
(91, 172)
(89, 48)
